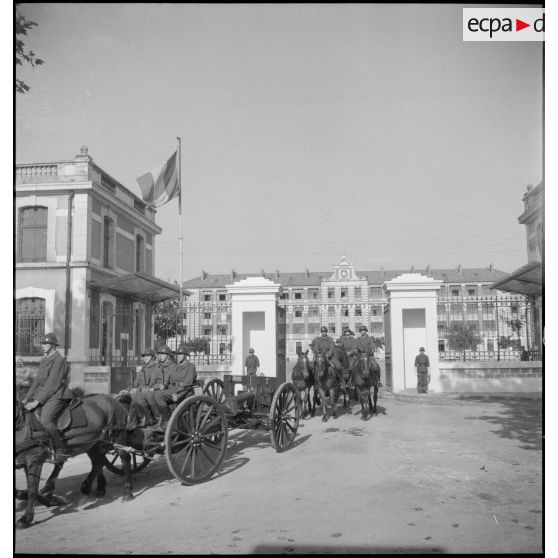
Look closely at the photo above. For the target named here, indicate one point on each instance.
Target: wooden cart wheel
(138, 462)
(196, 439)
(215, 389)
(284, 416)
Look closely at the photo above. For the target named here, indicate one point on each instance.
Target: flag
(160, 185)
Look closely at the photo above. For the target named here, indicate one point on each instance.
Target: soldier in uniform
(365, 344)
(422, 363)
(324, 344)
(349, 345)
(252, 363)
(50, 391)
(180, 382)
(140, 407)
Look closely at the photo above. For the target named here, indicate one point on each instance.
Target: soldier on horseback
(365, 344)
(50, 391)
(179, 383)
(324, 344)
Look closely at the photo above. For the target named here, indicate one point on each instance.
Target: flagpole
(181, 311)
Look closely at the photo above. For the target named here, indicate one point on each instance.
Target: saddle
(73, 416)
(235, 406)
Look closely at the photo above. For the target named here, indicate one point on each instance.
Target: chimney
(428, 269)
(491, 267)
(233, 274)
(460, 269)
(382, 272)
(277, 273)
(412, 269)
(204, 275)
(307, 273)
(262, 272)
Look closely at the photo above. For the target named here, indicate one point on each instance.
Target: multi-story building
(85, 256)
(528, 279)
(344, 297)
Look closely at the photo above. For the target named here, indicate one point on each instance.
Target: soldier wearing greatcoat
(324, 344)
(140, 406)
(49, 390)
(365, 344)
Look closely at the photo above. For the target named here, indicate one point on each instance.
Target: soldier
(50, 391)
(252, 363)
(325, 345)
(140, 388)
(365, 344)
(422, 363)
(180, 382)
(348, 344)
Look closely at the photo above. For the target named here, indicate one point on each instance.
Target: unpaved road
(416, 478)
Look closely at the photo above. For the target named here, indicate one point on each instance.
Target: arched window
(32, 234)
(30, 325)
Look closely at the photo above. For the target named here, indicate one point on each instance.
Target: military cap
(165, 349)
(323, 328)
(149, 352)
(182, 349)
(251, 351)
(421, 349)
(49, 338)
(363, 328)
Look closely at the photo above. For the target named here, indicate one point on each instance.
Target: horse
(93, 429)
(365, 378)
(344, 388)
(328, 385)
(303, 379)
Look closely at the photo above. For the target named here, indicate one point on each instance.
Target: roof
(377, 277)
(527, 280)
(139, 286)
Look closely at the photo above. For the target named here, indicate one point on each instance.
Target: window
(30, 325)
(330, 311)
(375, 292)
(222, 297)
(313, 293)
(331, 328)
(298, 347)
(108, 242)
(207, 315)
(33, 234)
(455, 291)
(313, 312)
(207, 331)
(206, 297)
(314, 329)
(298, 295)
(441, 346)
(330, 292)
(298, 313)
(284, 295)
(358, 311)
(343, 292)
(345, 311)
(471, 291)
(490, 345)
(222, 330)
(140, 246)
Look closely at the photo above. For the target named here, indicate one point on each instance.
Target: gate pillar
(412, 322)
(254, 323)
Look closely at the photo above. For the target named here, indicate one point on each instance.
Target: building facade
(346, 297)
(85, 255)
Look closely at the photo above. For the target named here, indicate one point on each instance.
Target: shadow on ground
(519, 419)
(342, 549)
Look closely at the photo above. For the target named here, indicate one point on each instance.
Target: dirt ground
(456, 478)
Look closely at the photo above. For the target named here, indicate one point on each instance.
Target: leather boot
(164, 416)
(59, 450)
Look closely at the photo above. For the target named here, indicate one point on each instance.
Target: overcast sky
(309, 132)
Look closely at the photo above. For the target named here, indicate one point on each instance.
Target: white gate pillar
(254, 323)
(413, 322)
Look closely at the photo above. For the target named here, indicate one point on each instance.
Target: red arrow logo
(519, 25)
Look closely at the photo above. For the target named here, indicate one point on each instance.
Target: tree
(462, 337)
(166, 318)
(22, 25)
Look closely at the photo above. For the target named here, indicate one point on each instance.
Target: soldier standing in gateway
(252, 363)
(422, 364)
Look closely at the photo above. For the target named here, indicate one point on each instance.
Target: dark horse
(344, 388)
(303, 379)
(93, 429)
(328, 385)
(366, 373)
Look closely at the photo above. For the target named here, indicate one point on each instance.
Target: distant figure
(422, 364)
(524, 353)
(252, 363)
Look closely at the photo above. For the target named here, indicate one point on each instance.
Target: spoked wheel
(196, 439)
(215, 389)
(284, 416)
(138, 463)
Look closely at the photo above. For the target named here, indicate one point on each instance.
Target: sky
(308, 132)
